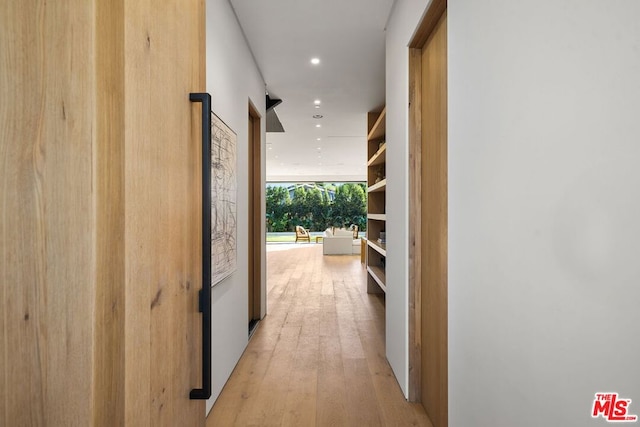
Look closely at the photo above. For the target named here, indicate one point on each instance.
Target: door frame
(416, 251)
(255, 196)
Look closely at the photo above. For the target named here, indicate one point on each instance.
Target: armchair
(302, 234)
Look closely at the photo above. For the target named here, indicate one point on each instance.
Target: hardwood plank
(300, 401)
(238, 395)
(268, 406)
(394, 412)
(331, 392)
(363, 406)
(318, 357)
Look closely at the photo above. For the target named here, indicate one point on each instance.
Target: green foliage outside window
(316, 206)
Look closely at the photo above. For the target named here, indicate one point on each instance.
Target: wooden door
(428, 218)
(255, 218)
(99, 214)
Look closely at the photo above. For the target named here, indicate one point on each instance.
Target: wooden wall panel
(100, 212)
(429, 23)
(256, 219)
(415, 224)
(427, 214)
(109, 367)
(138, 265)
(47, 223)
(434, 226)
(164, 47)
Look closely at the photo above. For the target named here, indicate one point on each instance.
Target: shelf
(379, 157)
(376, 201)
(377, 217)
(379, 128)
(379, 276)
(381, 248)
(378, 186)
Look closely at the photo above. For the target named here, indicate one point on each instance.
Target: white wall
(544, 231)
(232, 79)
(405, 16)
(544, 98)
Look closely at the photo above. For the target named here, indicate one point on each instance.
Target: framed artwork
(223, 200)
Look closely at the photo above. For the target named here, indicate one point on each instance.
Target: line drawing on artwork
(223, 201)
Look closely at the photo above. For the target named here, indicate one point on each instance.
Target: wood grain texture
(376, 125)
(255, 219)
(250, 224)
(415, 224)
(376, 200)
(165, 62)
(434, 225)
(429, 23)
(47, 196)
(108, 355)
(99, 206)
(318, 358)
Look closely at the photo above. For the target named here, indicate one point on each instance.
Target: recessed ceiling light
(317, 116)
(318, 139)
(318, 125)
(317, 102)
(315, 61)
(317, 106)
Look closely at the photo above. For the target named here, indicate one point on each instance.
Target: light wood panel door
(99, 212)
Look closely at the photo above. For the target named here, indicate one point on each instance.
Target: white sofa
(340, 242)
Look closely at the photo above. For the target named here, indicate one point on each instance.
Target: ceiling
(348, 38)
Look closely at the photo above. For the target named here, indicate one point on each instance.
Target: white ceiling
(348, 38)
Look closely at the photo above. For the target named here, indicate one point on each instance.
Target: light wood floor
(317, 359)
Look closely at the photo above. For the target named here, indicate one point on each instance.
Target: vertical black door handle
(204, 295)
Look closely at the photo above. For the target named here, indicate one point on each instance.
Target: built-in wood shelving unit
(376, 202)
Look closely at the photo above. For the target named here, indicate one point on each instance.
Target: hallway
(317, 359)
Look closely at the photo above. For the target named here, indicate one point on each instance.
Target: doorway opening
(428, 288)
(255, 195)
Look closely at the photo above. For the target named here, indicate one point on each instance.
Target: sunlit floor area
(317, 359)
